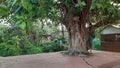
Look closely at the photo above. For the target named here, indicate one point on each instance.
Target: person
(89, 42)
(96, 44)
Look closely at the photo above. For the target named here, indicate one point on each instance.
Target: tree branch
(85, 12)
(104, 22)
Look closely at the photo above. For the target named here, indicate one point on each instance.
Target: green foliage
(27, 5)
(9, 44)
(80, 3)
(98, 30)
(14, 41)
(9, 50)
(55, 45)
(96, 5)
(3, 10)
(22, 25)
(106, 8)
(76, 10)
(47, 8)
(29, 48)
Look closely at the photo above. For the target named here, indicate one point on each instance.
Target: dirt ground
(100, 59)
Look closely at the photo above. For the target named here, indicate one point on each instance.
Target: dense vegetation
(15, 41)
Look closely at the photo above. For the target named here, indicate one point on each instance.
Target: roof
(110, 30)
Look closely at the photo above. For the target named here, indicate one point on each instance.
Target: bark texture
(76, 26)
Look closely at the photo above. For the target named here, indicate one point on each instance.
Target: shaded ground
(100, 59)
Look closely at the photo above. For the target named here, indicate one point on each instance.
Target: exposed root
(76, 53)
(88, 63)
(83, 56)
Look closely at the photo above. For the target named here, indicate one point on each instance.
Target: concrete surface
(100, 59)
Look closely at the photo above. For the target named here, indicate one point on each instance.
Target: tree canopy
(32, 9)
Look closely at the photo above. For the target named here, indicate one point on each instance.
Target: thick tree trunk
(77, 44)
(76, 26)
(77, 35)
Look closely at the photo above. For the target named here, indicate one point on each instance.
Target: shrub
(14, 41)
(55, 45)
(9, 50)
(29, 47)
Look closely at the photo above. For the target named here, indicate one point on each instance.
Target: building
(110, 39)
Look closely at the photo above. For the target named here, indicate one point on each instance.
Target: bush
(9, 50)
(14, 41)
(28, 47)
(9, 46)
(55, 45)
